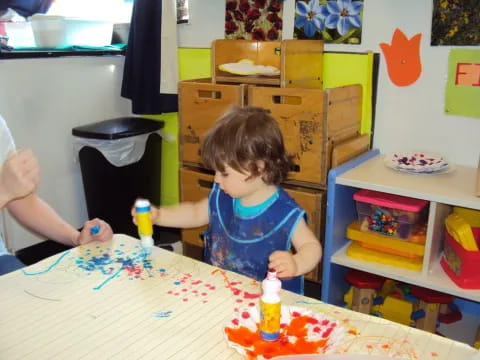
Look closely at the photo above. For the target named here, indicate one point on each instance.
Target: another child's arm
(184, 215)
(308, 254)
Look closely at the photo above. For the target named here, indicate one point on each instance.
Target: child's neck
(259, 195)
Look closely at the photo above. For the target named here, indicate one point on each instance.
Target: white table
(101, 301)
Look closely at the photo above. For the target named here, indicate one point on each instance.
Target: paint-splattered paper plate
(302, 332)
(417, 162)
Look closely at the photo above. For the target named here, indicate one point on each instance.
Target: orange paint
(297, 328)
(403, 58)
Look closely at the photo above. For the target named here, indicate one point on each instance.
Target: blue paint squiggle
(50, 267)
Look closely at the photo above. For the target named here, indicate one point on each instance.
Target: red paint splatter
(248, 295)
(230, 285)
(268, 349)
(245, 315)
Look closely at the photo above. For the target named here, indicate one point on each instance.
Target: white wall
(407, 118)
(42, 99)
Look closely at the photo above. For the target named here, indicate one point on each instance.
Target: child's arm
(184, 215)
(308, 254)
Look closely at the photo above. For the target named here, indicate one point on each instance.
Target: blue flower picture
(333, 21)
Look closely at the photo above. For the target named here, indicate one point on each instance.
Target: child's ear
(260, 166)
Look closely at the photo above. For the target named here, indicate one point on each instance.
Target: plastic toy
(460, 251)
(461, 231)
(363, 289)
(409, 305)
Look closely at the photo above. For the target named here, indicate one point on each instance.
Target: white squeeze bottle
(270, 307)
(144, 224)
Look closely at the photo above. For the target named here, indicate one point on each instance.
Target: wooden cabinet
(443, 191)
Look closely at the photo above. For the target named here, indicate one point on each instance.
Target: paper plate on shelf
(247, 67)
(302, 331)
(417, 162)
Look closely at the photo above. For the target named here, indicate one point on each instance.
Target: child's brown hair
(241, 138)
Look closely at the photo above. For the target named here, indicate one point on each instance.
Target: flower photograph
(334, 21)
(455, 22)
(254, 19)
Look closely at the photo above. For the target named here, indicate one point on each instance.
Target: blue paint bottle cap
(95, 230)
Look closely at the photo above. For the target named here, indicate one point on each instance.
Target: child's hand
(103, 232)
(154, 214)
(283, 263)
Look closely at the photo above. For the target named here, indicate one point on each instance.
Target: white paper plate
(417, 162)
(318, 327)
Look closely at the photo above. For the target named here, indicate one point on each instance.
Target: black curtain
(26, 8)
(141, 75)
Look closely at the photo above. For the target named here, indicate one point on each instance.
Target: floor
(37, 252)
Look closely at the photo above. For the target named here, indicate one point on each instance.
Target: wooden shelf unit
(443, 191)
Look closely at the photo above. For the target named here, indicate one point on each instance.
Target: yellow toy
(461, 231)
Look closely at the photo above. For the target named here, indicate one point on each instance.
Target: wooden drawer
(201, 103)
(313, 122)
(289, 56)
(196, 185)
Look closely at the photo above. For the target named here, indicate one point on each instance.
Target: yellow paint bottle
(270, 307)
(144, 223)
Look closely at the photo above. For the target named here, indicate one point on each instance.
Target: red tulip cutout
(403, 58)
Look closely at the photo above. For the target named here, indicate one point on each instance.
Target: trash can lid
(117, 128)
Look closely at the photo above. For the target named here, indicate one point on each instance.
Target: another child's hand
(283, 263)
(103, 232)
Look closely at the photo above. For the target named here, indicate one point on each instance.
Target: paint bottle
(144, 223)
(270, 307)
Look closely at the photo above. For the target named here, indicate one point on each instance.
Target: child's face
(237, 184)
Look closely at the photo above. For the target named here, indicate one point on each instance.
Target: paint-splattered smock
(241, 238)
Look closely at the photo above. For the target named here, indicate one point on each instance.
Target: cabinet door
(195, 185)
(312, 201)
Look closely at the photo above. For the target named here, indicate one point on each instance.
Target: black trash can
(115, 170)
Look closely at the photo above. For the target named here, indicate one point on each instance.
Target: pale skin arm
(308, 254)
(184, 215)
(19, 177)
(37, 216)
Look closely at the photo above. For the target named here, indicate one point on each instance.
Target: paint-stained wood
(312, 121)
(201, 103)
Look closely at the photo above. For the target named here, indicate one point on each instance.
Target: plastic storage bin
(460, 264)
(389, 214)
(52, 31)
(134, 146)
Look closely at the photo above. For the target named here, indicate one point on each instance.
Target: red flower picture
(254, 19)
